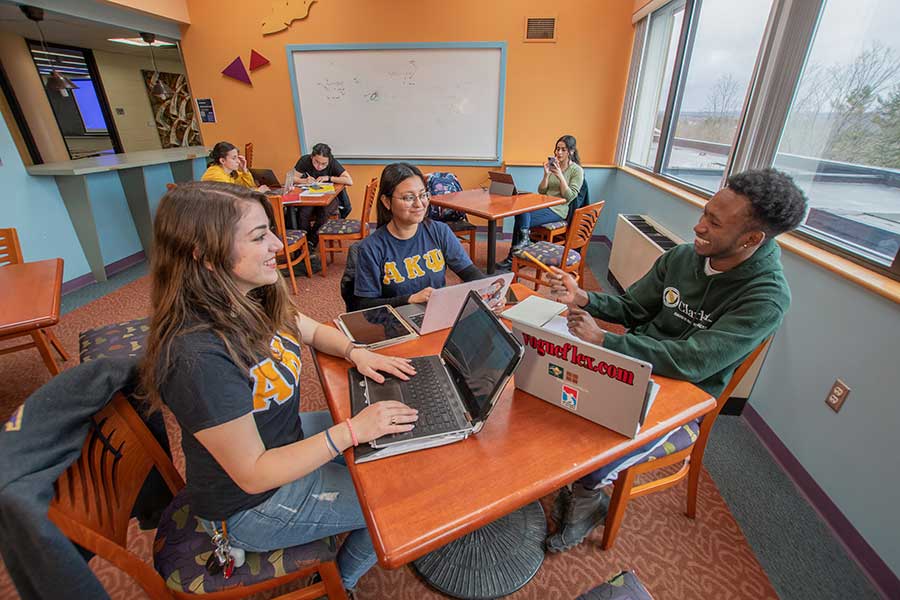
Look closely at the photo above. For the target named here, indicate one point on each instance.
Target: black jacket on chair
(42, 438)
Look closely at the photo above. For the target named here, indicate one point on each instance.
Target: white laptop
(603, 386)
(445, 302)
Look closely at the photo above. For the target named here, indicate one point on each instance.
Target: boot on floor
(582, 510)
(521, 240)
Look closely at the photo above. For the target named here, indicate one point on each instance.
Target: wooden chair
(41, 337)
(171, 186)
(248, 153)
(346, 230)
(575, 248)
(10, 250)
(690, 453)
(94, 497)
(465, 233)
(296, 248)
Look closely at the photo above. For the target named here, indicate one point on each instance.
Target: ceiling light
(141, 42)
(159, 89)
(56, 81)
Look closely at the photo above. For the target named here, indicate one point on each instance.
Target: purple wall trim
(878, 571)
(111, 269)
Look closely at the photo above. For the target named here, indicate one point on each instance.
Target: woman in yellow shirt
(227, 166)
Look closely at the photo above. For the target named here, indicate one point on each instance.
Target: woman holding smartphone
(226, 165)
(563, 178)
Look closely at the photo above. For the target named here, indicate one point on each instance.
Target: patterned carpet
(675, 557)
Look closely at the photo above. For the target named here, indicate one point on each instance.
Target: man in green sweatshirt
(696, 315)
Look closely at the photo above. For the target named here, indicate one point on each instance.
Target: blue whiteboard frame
(292, 48)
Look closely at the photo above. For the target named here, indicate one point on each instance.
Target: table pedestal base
(490, 562)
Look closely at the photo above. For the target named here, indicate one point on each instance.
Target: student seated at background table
(320, 166)
(226, 165)
(563, 178)
(406, 257)
(696, 315)
(223, 353)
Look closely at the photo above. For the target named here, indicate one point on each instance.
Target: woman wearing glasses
(406, 257)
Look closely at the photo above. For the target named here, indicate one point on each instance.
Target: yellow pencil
(538, 263)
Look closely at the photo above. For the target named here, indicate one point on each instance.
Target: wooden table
(306, 200)
(493, 207)
(417, 502)
(30, 303)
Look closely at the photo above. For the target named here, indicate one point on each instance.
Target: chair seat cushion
(340, 226)
(182, 547)
(460, 225)
(552, 225)
(119, 340)
(294, 236)
(551, 254)
(683, 437)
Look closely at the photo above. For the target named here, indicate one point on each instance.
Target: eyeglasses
(424, 197)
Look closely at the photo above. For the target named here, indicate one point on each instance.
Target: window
(841, 142)
(716, 77)
(717, 41)
(811, 88)
(655, 79)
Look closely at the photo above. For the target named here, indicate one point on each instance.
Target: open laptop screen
(481, 353)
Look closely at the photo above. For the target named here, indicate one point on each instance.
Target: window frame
(772, 86)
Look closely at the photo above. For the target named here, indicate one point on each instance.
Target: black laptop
(266, 177)
(454, 392)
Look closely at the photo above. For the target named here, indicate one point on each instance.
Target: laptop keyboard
(430, 396)
(418, 319)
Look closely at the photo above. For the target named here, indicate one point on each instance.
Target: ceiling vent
(540, 29)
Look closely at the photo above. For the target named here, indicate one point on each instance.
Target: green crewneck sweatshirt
(695, 326)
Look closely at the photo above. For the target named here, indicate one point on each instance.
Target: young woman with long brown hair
(224, 355)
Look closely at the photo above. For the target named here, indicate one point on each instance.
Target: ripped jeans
(321, 504)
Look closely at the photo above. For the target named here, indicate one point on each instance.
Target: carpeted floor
(676, 558)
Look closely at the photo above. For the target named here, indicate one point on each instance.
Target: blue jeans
(321, 504)
(537, 217)
(609, 473)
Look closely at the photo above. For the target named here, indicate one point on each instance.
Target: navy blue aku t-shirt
(389, 267)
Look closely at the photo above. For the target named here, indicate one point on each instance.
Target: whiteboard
(418, 102)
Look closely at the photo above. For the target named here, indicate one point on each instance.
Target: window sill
(872, 281)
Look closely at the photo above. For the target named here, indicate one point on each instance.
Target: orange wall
(176, 10)
(574, 86)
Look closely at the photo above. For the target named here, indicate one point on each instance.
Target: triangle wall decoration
(237, 71)
(257, 60)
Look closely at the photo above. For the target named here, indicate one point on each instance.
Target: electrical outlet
(837, 395)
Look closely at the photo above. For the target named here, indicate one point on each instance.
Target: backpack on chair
(443, 183)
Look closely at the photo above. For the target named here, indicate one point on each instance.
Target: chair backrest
(248, 153)
(278, 214)
(368, 203)
(171, 186)
(94, 497)
(582, 228)
(735, 380)
(10, 250)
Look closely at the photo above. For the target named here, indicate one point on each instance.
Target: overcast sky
(729, 34)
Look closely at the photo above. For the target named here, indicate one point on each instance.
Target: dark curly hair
(776, 203)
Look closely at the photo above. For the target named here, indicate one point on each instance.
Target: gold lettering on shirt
(269, 386)
(288, 357)
(413, 270)
(391, 274)
(434, 260)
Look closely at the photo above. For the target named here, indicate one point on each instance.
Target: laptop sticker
(555, 370)
(569, 397)
(573, 377)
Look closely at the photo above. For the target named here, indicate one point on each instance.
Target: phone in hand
(551, 161)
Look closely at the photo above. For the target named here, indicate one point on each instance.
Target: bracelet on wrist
(348, 349)
(330, 443)
(352, 433)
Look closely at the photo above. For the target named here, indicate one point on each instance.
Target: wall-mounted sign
(207, 113)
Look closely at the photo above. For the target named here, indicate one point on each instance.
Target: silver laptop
(444, 304)
(454, 392)
(502, 184)
(601, 385)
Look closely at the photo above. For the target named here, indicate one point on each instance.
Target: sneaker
(584, 512)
